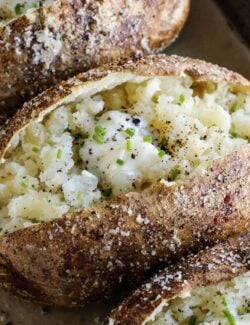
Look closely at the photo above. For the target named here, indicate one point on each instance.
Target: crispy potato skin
(80, 35)
(153, 65)
(222, 262)
(87, 255)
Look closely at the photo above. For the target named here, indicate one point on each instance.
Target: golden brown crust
(89, 254)
(160, 65)
(223, 262)
(67, 37)
(86, 255)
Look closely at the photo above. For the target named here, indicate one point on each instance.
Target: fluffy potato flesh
(116, 140)
(10, 9)
(222, 304)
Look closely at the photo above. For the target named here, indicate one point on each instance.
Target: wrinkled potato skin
(90, 33)
(211, 266)
(89, 254)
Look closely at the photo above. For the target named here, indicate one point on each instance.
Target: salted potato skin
(89, 254)
(67, 37)
(223, 262)
(152, 65)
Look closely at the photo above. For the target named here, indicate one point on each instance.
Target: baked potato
(41, 45)
(212, 287)
(119, 169)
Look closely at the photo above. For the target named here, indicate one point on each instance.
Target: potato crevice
(116, 141)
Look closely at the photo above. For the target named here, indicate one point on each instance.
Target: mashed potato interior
(116, 141)
(227, 303)
(10, 9)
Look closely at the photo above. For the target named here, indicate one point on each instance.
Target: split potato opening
(118, 135)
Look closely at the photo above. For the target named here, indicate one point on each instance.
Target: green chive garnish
(174, 173)
(234, 134)
(130, 132)
(18, 9)
(147, 139)
(120, 162)
(79, 196)
(181, 99)
(234, 106)
(35, 5)
(192, 320)
(99, 130)
(224, 301)
(59, 154)
(24, 183)
(129, 145)
(98, 138)
(161, 153)
(35, 149)
(230, 317)
(99, 133)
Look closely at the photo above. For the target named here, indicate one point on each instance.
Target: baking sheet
(206, 35)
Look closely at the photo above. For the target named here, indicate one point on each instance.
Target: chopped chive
(98, 138)
(230, 317)
(59, 154)
(174, 173)
(147, 139)
(35, 5)
(129, 145)
(99, 130)
(181, 99)
(79, 196)
(120, 162)
(35, 149)
(24, 183)
(161, 153)
(99, 133)
(18, 9)
(192, 320)
(130, 132)
(234, 106)
(234, 134)
(224, 301)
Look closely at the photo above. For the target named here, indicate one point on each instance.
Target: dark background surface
(209, 35)
(238, 13)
